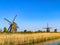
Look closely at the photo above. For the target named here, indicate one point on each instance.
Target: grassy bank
(22, 39)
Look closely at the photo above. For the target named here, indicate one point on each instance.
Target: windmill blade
(7, 20)
(50, 27)
(14, 18)
(47, 27)
(9, 28)
(44, 28)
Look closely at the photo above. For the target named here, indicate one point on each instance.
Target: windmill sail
(7, 20)
(14, 18)
(13, 25)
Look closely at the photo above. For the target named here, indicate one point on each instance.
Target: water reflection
(53, 42)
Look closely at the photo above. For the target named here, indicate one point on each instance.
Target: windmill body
(13, 25)
(47, 29)
(55, 30)
(13, 28)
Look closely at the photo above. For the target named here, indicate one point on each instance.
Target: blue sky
(32, 14)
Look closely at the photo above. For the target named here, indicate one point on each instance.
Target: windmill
(47, 28)
(13, 26)
(55, 30)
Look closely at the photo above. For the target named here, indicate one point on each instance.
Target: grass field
(18, 38)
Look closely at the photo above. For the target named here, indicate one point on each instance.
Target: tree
(5, 29)
(29, 31)
(38, 31)
(25, 30)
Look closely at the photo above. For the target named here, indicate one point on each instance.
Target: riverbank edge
(32, 41)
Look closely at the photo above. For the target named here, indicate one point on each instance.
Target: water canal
(52, 42)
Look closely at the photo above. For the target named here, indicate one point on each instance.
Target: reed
(19, 39)
(42, 40)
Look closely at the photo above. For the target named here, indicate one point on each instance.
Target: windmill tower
(13, 26)
(47, 28)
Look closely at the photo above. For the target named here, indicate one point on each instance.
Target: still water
(52, 42)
